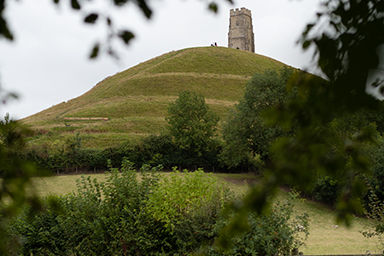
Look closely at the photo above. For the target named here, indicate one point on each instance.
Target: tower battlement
(242, 11)
(240, 33)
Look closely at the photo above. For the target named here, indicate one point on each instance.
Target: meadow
(324, 239)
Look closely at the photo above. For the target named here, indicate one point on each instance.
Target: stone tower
(240, 33)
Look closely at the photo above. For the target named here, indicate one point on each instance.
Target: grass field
(135, 101)
(323, 238)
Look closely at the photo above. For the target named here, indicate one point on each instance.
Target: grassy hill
(134, 102)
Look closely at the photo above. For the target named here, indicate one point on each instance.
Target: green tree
(191, 122)
(245, 132)
(15, 174)
(345, 37)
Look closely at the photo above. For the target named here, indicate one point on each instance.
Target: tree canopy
(244, 131)
(345, 36)
(191, 122)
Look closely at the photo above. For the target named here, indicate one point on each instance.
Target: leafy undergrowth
(150, 214)
(326, 237)
(323, 239)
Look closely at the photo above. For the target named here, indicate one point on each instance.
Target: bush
(101, 218)
(188, 204)
(185, 195)
(113, 218)
(276, 233)
(175, 214)
(374, 212)
(326, 190)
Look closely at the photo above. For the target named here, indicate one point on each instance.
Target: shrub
(374, 212)
(182, 195)
(326, 190)
(113, 218)
(101, 218)
(175, 214)
(188, 204)
(275, 233)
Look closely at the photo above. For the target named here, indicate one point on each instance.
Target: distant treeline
(153, 150)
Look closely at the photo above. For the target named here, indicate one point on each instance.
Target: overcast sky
(48, 63)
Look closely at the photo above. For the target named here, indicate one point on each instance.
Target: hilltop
(134, 102)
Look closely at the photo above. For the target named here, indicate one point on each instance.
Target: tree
(15, 174)
(345, 37)
(191, 122)
(244, 132)
(345, 51)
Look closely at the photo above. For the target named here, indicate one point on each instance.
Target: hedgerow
(72, 157)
